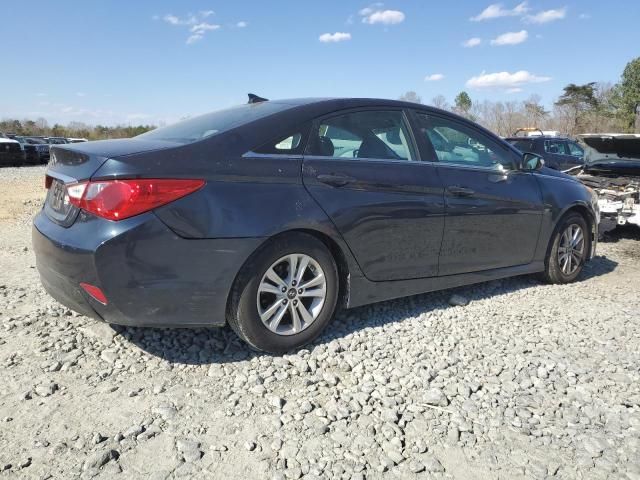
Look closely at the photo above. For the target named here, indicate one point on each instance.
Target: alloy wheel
(291, 294)
(571, 249)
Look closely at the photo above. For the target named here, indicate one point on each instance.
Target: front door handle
(335, 180)
(461, 191)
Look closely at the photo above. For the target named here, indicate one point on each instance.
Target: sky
(131, 62)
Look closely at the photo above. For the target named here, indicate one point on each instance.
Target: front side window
(575, 150)
(555, 146)
(379, 135)
(456, 143)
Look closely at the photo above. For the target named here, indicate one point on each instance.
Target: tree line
(594, 107)
(40, 127)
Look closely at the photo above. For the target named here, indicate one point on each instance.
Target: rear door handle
(460, 191)
(335, 180)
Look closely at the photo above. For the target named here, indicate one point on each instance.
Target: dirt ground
(526, 381)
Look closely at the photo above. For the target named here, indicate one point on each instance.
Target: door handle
(335, 180)
(460, 191)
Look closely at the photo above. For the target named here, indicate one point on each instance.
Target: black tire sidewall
(246, 318)
(554, 270)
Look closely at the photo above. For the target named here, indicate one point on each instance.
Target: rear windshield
(522, 145)
(204, 126)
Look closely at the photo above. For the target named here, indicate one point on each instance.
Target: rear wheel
(569, 250)
(285, 295)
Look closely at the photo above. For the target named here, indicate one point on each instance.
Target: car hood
(612, 154)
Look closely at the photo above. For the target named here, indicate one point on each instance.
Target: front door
(493, 210)
(363, 169)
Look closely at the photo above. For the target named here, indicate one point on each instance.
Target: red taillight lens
(95, 292)
(120, 199)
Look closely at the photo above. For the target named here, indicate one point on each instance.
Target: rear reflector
(94, 292)
(120, 199)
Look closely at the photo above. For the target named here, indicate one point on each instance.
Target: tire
(556, 270)
(253, 290)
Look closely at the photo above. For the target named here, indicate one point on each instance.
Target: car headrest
(325, 147)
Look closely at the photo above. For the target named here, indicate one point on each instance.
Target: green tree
(579, 99)
(630, 94)
(463, 103)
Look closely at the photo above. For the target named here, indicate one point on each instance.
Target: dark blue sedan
(269, 216)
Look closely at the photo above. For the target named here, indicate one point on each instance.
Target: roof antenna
(256, 99)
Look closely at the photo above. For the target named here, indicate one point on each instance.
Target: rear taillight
(120, 199)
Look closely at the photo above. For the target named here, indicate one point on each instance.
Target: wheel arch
(584, 211)
(337, 252)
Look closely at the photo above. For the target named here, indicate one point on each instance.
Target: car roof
(352, 102)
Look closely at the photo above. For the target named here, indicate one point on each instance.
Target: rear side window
(371, 134)
(210, 124)
(290, 144)
(555, 146)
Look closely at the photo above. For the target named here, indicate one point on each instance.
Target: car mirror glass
(531, 161)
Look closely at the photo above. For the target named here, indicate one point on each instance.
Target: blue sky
(136, 62)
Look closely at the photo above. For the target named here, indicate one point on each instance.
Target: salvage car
(10, 152)
(612, 169)
(559, 153)
(270, 216)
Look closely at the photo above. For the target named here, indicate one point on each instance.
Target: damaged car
(612, 170)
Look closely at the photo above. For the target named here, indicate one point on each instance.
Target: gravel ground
(526, 381)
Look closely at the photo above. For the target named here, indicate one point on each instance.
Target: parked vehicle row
(271, 215)
(19, 150)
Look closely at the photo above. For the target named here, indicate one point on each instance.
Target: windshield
(205, 126)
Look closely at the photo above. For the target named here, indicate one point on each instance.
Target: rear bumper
(150, 276)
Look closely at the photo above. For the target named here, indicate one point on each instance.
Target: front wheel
(569, 250)
(285, 295)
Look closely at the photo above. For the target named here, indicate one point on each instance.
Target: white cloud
(505, 80)
(203, 27)
(510, 38)
(196, 37)
(497, 10)
(434, 77)
(547, 16)
(196, 24)
(385, 17)
(370, 9)
(81, 94)
(334, 37)
(173, 20)
(584, 16)
(41, 94)
(242, 24)
(472, 42)
(514, 90)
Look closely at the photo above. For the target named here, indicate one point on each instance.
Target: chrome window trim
(252, 154)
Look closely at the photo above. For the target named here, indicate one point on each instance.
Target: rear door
(364, 170)
(493, 210)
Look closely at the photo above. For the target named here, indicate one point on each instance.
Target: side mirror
(532, 162)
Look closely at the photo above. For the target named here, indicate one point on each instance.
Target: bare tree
(440, 101)
(410, 96)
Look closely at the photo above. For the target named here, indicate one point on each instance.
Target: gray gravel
(517, 380)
